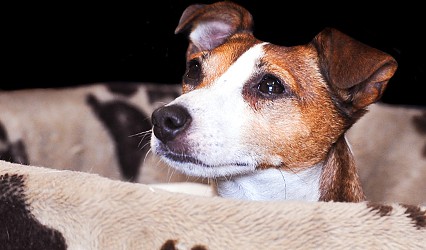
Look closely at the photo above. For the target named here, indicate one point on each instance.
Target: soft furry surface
(43, 208)
(97, 128)
(389, 144)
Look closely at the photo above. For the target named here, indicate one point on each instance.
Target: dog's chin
(192, 166)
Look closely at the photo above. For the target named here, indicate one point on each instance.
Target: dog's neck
(273, 184)
(334, 179)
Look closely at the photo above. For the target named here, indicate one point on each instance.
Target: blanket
(97, 128)
(45, 208)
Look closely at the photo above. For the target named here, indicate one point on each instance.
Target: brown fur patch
(12, 151)
(417, 215)
(169, 245)
(199, 247)
(339, 180)
(382, 210)
(305, 104)
(19, 228)
(217, 61)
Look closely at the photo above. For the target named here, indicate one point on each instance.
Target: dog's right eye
(270, 85)
(193, 71)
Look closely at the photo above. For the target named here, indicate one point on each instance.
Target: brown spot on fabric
(199, 247)
(16, 153)
(19, 229)
(382, 210)
(124, 122)
(169, 245)
(12, 151)
(417, 215)
(125, 89)
(3, 133)
(420, 125)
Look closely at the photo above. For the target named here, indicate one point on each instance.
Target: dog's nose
(169, 121)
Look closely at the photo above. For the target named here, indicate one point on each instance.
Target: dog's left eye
(270, 85)
(193, 70)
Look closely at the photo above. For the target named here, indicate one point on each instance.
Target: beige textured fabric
(389, 145)
(93, 212)
(59, 129)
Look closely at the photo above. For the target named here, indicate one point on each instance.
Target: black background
(58, 45)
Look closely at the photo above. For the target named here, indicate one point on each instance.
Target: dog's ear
(357, 71)
(210, 25)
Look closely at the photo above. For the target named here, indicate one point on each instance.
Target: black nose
(169, 121)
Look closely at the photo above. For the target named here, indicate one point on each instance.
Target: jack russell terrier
(268, 122)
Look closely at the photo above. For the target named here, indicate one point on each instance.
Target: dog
(268, 122)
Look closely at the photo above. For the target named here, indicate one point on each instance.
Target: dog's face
(251, 105)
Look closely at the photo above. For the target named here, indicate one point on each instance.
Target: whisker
(144, 133)
(170, 174)
(187, 178)
(226, 179)
(199, 179)
(159, 161)
(146, 155)
(285, 184)
(146, 144)
(215, 181)
(293, 172)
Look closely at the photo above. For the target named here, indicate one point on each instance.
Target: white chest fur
(273, 184)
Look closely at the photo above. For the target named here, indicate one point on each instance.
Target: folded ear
(210, 25)
(358, 72)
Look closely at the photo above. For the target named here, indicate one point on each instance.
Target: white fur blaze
(220, 119)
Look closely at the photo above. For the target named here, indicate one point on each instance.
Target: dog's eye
(270, 85)
(193, 70)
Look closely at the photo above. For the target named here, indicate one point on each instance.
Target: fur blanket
(96, 128)
(43, 208)
(389, 145)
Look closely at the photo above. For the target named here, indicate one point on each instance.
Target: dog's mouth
(183, 158)
(194, 166)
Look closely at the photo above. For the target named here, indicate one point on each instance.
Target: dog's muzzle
(169, 121)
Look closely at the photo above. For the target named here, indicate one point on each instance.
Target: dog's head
(249, 104)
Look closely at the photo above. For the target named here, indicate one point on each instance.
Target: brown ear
(359, 72)
(210, 25)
